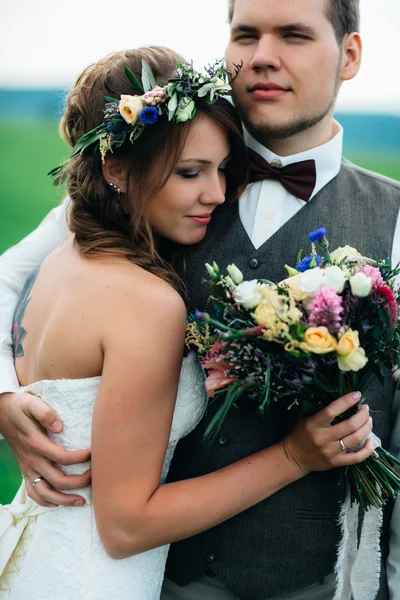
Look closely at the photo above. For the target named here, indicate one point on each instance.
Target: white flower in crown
(215, 85)
(130, 107)
(185, 110)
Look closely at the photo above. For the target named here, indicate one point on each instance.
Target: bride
(99, 336)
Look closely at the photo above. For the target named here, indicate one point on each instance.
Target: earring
(116, 189)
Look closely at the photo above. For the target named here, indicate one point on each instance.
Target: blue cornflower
(317, 235)
(305, 264)
(149, 115)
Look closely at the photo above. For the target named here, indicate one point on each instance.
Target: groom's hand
(24, 419)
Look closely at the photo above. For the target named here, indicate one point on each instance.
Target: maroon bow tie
(298, 178)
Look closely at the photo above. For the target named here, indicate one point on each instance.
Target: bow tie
(298, 178)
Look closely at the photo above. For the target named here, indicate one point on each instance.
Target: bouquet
(328, 329)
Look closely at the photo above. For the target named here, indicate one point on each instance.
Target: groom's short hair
(343, 14)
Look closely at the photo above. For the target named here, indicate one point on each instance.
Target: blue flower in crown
(307, 261)
(317, 235)
(149, 115)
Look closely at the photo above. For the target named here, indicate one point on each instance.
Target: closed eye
(188, 174)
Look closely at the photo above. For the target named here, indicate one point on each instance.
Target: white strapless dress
(56, 553)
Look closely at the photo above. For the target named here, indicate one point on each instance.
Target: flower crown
(128, 117)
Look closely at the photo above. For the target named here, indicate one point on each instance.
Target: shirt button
(268, 216)
(275, 162)
(223, 440)
(210, 557)
(253, 263)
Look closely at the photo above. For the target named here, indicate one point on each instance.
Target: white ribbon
(14, 518)
(358, 564)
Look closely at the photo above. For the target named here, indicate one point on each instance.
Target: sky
(46, 43)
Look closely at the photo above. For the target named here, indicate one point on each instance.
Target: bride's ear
(116, 172)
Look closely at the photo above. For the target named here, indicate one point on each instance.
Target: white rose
(312, 280)
(343, 252)
(247, 294)
(130, 107)
(335, 278)
(360, 285)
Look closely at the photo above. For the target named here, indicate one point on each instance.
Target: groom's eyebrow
(300, 27)
(241, 28)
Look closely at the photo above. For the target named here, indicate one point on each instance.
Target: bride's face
(183, 208)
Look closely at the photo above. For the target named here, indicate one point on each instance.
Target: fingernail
(370, 420)
(56, 426)
(365, 407)
(79, 502)
(357, 395)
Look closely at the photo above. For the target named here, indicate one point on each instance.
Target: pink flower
(216, 367)
(391, 302)
(325, 310)
(374, 274)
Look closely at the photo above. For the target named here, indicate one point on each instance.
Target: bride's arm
(142, 348)
(19, 413)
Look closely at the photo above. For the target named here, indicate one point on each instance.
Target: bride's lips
(267, 91)
(201, 219)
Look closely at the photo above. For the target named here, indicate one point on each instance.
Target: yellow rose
(293, 283)
(264, 315)
(350, 356)
(348, 342)
(354, 361)
(130, 107)
(318, 340)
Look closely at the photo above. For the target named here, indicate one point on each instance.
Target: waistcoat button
(223, 440)
(253, 263)
(210, 557)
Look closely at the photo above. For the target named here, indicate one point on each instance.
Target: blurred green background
(30, 147)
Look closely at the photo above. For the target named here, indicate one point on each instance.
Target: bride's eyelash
(188, 174)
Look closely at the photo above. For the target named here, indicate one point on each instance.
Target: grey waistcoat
(288, 541)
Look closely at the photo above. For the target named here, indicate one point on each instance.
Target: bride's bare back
(65, 311)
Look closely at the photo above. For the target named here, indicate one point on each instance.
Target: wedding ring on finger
(342, 446)
(36, 480)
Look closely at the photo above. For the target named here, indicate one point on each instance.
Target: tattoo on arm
(18, 332)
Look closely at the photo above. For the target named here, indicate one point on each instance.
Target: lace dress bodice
(57, 553)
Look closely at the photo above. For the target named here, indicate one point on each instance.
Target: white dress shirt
(263, 208)
(266, 205)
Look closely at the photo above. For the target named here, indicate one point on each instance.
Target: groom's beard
(294, 124)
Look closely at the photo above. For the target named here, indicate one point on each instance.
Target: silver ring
(35, 481)
(342, 446)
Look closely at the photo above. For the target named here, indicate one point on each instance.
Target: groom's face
(292, 65)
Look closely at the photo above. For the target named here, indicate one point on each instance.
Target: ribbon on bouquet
(358, 562)
(14, 519)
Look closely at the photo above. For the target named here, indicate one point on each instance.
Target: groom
(295, 54)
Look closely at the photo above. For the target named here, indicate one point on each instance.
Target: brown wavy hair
(99, 222)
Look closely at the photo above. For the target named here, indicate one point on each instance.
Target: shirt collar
(327, 157)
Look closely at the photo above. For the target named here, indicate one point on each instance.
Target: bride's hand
(316, 445)
(23, 421)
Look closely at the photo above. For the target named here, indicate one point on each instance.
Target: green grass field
(27, 152)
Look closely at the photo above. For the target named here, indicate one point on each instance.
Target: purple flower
(305, 264)
(317, 235)
(149, 115)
